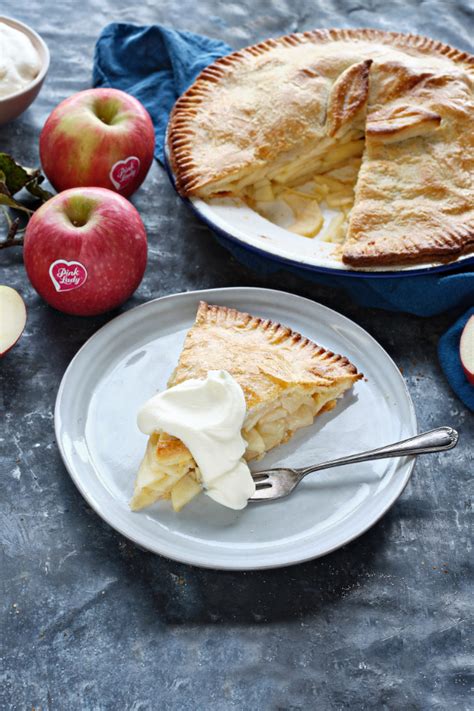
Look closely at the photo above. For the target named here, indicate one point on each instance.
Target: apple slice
(308, 215)
(12, 318)
(466, 350)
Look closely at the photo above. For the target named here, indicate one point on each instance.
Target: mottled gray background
(91, 622)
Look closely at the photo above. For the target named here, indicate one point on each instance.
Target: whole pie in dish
(377, 126)
(286, 380)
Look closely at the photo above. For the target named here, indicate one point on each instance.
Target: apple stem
(13, 238)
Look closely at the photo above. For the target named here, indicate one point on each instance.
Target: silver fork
(276, 483)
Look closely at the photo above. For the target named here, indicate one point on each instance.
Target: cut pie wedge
(286, 379)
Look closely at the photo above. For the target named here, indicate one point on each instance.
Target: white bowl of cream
(24, 62)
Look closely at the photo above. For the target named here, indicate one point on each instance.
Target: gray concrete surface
(88, 621)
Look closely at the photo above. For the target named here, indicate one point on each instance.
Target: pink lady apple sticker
(124, 171)
(67, 276)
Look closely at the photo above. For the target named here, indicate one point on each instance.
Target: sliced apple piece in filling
(308, 216)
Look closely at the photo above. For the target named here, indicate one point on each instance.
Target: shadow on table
(178, 594)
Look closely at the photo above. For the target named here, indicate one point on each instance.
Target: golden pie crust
(413, 98)
(286, 379)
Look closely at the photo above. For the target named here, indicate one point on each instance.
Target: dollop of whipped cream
(19, 60)
(207, 415)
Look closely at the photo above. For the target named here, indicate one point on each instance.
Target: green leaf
(3, 184)
(13, 178)
(16, 177)
(8, 201)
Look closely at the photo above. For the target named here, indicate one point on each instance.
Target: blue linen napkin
(448, 352)
(156, 64)
(153, 63)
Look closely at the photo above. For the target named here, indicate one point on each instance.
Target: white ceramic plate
(131, 357)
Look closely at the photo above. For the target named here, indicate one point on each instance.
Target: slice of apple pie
(286, 380)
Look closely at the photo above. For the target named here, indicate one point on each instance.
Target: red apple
(466, 350)
(12, 318)
(85, 250)
(98, 137)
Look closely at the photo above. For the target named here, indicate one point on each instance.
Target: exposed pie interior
(295, 196)
(377, 126)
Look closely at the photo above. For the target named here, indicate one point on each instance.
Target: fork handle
(438, 440)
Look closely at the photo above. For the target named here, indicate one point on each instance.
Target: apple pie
(286, 380)
(376, 126)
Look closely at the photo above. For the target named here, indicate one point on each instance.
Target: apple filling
(293, 191)
(295, 194)
(178, 477)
